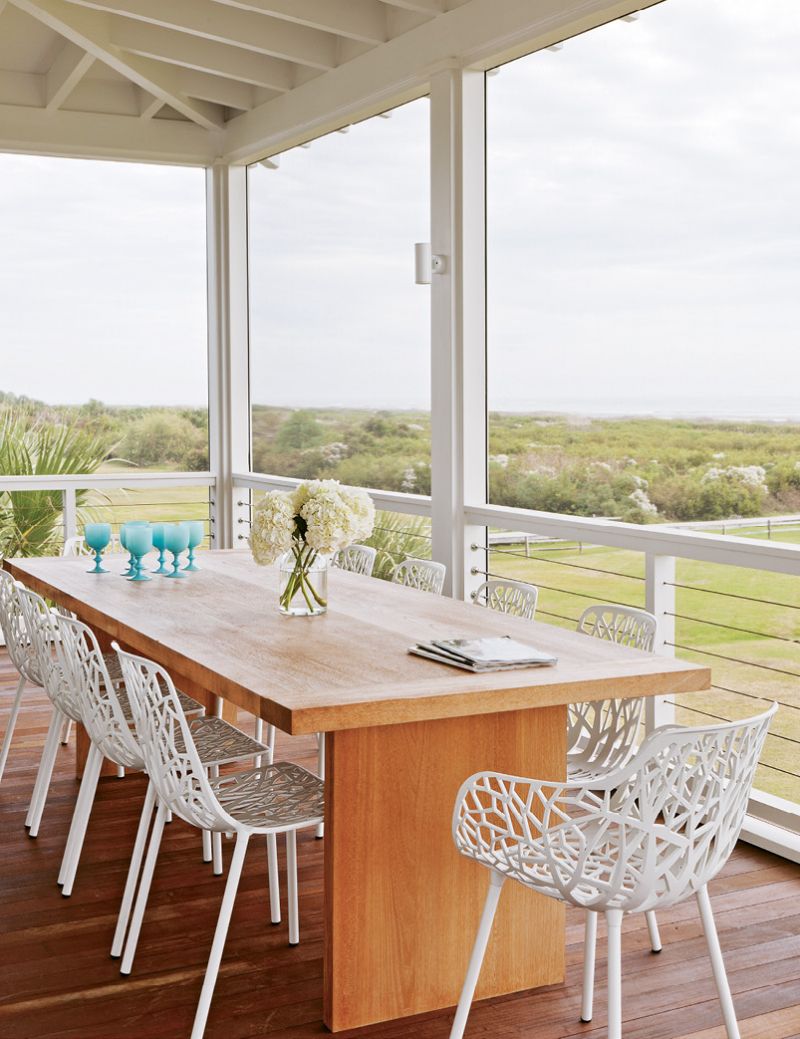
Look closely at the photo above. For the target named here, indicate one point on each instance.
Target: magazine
(496, 653)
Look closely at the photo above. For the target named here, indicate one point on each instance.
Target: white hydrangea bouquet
(303, 529)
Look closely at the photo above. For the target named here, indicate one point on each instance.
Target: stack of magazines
(498, 653)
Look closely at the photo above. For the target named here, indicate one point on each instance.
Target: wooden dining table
(403, 733)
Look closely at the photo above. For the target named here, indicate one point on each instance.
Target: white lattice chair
(106, 714)
(269, 800)
(512, 597)
(648, 836)
(357, 559)
(20, 651)
(423, 574)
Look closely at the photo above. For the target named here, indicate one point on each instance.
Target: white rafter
(192, 52)
(69, 66)
(432, 7)
(207, 87)
(203, 18)
(363, 20)
(89, 30)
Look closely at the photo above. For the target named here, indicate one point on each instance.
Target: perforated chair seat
(190, 706)
(219, 743)
(277, 796)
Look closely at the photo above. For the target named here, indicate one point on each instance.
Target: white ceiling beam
(431, 7)
(34, 131)
(210, 21)
(363, 20)
(90, 31)
(228, 92)
(204, 55)
(69, 67)
(481, 33)
(148, 105)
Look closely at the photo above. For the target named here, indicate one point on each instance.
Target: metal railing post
(660, 600)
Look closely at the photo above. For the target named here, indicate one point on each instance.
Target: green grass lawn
(157, 504)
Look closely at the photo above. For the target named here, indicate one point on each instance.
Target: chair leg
(259, 735)
(717, 964)
(321, 773)
(614, 923)
(216, 836)
(589, 950)
(221, 933)
(478, 952)
(66, 731)
(120, 772)
(652, 930)
(271, 731)
(44, 774)
(80, 820)
(133, 871)
(274, 882)
(144, 891)
(207, 853)
(291, 887)
(12, 721)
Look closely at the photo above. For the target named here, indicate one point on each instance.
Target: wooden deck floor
(58, 981)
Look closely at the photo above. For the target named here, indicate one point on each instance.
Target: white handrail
(390, 501)
(93, 481)
(776, 557)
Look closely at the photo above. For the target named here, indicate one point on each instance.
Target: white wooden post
(228, 349)
(660, 590)
(69, 512)
(458, 322)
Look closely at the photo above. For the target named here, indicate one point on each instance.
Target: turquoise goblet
(176, 541)
(196, 534)
(97, 536)
(140, 542)
(159, 534)
(123, 540)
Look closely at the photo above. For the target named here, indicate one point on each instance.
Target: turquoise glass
(139, 539)
(197, 531)
(159, 542)
(97, 536)
(123, 540)
(176, 541)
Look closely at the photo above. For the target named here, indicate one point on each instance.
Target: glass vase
(303, 586)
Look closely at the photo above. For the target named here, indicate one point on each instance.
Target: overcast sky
(644, 242)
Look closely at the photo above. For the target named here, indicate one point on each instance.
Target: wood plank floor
(58, 981)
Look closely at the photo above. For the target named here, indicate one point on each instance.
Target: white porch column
(458, 321)
(228, 347)
(660, 601)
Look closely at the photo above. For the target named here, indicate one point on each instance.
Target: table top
(348, 668)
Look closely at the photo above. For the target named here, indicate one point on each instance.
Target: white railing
(69, 485)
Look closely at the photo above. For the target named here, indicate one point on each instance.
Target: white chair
(505, 596)
(274, 799)
(106, 714)
(76, 546)
(358, 559)
(648, 836)
(41, 627)
(423, 574)
(18, 646)
(601, 736)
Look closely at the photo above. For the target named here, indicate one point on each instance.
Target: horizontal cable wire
(561, 562)
(733, 595)
(734, 660)
(755, 696)
(561, 591)
(549, 613)
(731, 627)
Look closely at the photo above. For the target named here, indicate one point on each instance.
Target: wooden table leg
(402, 906)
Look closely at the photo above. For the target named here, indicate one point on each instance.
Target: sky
(643, 241)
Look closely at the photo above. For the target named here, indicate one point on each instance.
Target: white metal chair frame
(76, 546)
(357, 559)
(20, 650)
(108, 725)
(647, 836)
(273, 799)
(601, 735)
(511, 597)
(424, 574)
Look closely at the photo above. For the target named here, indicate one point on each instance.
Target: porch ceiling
(197, 81)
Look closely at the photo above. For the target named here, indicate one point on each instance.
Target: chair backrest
(15, 634)
(602, 734)
(512, 597)
(40, 622)
(358, 559)
(165, 740)
(85, 672)
(423, 574)
(621, 624)
(75, 546)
